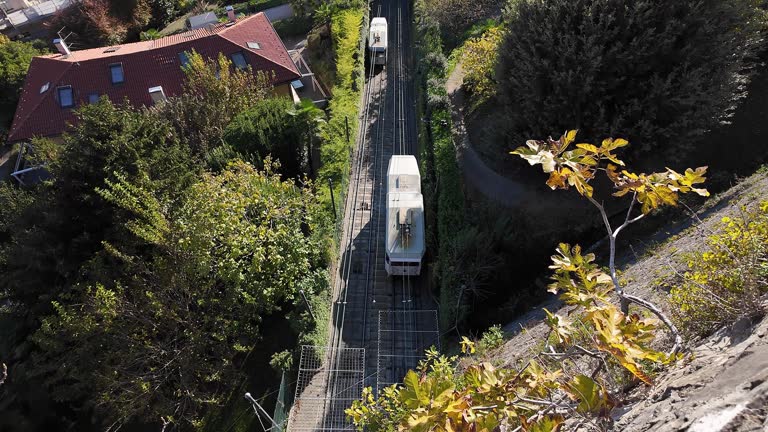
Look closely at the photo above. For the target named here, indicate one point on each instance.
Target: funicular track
(380, 325)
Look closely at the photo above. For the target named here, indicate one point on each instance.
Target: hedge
(444, 197)
(348, 27)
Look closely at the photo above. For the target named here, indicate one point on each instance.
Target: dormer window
(239, 60)
(157, 94)
(116, 73)
(66, 99)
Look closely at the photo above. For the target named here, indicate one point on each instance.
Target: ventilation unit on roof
(111, 49)
(254, 45)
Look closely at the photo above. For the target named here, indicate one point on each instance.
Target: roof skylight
(254, 45)
(44, 88)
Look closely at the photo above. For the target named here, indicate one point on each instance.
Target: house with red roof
(141, 72)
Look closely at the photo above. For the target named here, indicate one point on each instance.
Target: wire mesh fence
(329, 380)
(403, 338)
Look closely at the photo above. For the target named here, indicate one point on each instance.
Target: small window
(116, 72)
(44, 88)
(157, 94)
(239, 60)
(65, 97)
(93, 98)
(111, 49)
(254, 45)
(184, 58)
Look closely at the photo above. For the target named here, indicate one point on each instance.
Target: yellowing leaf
(588, 147)
(560, 325)
(569, 137)
(467, 346)
(586, 392)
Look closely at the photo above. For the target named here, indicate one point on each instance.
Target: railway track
(380, 325)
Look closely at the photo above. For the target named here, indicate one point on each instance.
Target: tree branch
(656, 311)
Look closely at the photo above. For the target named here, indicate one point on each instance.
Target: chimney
(61, 45)
(231, 14)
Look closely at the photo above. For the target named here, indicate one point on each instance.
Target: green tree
(276, 127)
(479, 61)
(163, 342)
(657, 72)
(56, 248)
(214, 93)
(15, 58)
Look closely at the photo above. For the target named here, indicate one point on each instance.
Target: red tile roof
(145, 64)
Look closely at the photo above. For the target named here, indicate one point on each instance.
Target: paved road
(278, 13)
(488, 182)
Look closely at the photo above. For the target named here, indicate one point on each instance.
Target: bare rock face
(723, 388)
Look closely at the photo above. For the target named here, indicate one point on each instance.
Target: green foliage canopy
(276, 127)
(658, 72)
(163, 340)
(214, 93)
(15, 58)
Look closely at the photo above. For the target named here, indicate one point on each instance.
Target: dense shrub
(444, 197)
(15, 58)
(479, 61)
(727, 280)
(267, 129)
(347, 28)
(491, 339)
(657, 72)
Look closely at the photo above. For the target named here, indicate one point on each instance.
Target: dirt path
(476, 173)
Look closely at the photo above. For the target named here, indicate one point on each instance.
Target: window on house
(157, 94)
(44, 87)
(239, 60)
(66, 98)
(184, 58)
(116, 72)
(93, 98)
(254, 45)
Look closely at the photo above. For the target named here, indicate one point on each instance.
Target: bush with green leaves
(444, 198)
(660, 73)
(728, 279)
(238, 249)
(15, 58)
(491, 338)
(347, 27)
(276, 127)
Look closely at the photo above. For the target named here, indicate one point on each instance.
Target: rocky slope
(724, 384)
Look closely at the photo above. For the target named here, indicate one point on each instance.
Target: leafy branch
(578, 167)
